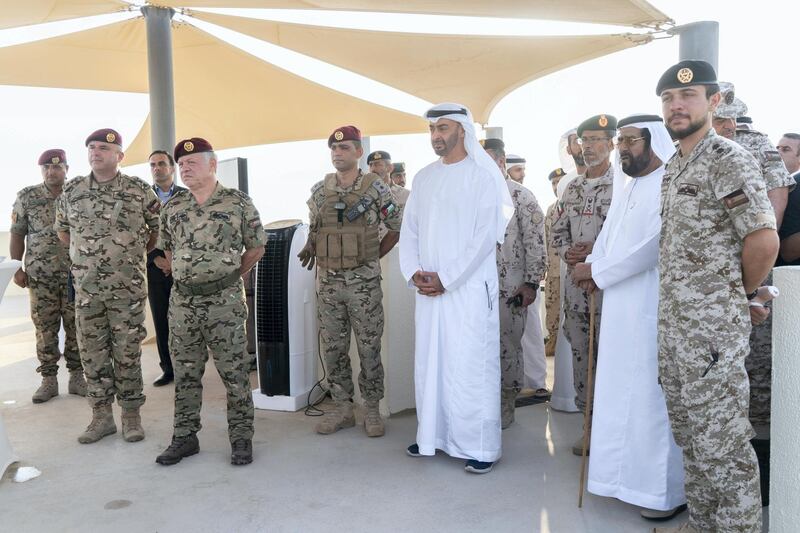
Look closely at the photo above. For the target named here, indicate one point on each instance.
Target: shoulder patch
(735, 199)
(772, 155)
(317, 186)
(381, 187)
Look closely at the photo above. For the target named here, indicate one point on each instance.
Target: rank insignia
(735, 199)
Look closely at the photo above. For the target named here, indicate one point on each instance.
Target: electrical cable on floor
(311, 408)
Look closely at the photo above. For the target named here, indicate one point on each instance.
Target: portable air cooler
(285, 321)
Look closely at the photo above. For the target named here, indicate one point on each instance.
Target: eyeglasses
(627, 141)
(591, 140)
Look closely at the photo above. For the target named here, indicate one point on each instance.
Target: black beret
(493, 144)
(598, 123)
(195, 145)
(397, 168)
(378, 155)
(556, 173)
(686, 73)
(633, 119)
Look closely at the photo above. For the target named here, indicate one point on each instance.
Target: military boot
(373, 423)
(242, 452)
(508, 401)
(179, 448)
(48, 389)
(77, 384)
(102, 424)
(132, 425)
(683, 528)
(341, 416)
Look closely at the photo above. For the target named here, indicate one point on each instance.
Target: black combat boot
(179, 448)
(242, 452)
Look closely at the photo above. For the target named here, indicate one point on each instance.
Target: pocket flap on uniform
(334, 245)
(349, 245)
(322, 246)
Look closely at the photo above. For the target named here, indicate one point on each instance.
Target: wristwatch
(752, 295)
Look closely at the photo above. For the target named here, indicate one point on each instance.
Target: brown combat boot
(132, 425)
(508, 399)
(48, 389)
(102, 425)
(341, 416)
(373, 423)
(77, 384)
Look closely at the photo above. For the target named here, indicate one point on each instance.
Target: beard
(579, 161)
(634, 165)
(446, 145)
(693, 127)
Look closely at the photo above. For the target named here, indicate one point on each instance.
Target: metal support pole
(699, 40)
(159, 69)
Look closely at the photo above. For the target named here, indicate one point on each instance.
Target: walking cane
(589, 399)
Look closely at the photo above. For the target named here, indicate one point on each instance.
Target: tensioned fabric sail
(616, 12)
(15, 13)
(221, 93)
(475, 70)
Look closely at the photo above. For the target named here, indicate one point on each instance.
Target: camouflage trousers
(110, 334)
(576, 330)
(49, 309)
(759, 371)
(339, 307)
(199, 325)
(709, 420)
(552, 302)
(512, 326)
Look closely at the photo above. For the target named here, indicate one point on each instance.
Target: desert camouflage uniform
(352, 297)
(759, 361)
(401, 195)
(521, 258)
(109, 225)
(552, 288)
(711, 200)
(47, 266)
(585, 205)
(207, 308)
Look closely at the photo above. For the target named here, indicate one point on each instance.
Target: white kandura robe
(634, 456)
(450, 227)
(533, 356)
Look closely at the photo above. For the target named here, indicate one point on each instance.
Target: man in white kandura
(454, 218)
(634, 457)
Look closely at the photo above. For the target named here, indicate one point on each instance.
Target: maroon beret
(345, 133)
(105, 135)
(53, 156)
(195, 145)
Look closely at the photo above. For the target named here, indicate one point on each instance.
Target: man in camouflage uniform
(718, 242)
(203, 233)
(398, 174)
(110, 221)
(779, 183)
(585, 205)
(552, 289)
(346, 209)
(515, 168)
(380, 163)
(46, 275)
(521, 265)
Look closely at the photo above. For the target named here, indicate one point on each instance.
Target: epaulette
(178, 194)
(237, 193)
(317, 186)
(72, 183)
(381, 187)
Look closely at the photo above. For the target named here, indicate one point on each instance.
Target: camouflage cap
(735, 109)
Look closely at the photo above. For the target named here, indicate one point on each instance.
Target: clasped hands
(427, 283)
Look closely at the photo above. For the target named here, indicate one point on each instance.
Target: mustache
(678, 115)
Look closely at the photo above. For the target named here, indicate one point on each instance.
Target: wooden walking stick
(589, 399)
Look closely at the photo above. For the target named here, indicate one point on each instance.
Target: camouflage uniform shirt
(207, 240)
(522, 258)
(711, 199)
(772, 167)
(109, 225)
(33, 216)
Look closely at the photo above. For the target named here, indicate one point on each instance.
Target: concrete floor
(298, 482)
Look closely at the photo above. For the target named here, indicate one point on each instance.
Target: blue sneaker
(413, 450)
(478, 467)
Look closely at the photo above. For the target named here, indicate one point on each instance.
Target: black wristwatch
(752, 295)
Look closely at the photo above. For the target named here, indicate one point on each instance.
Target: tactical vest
(342, 243)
